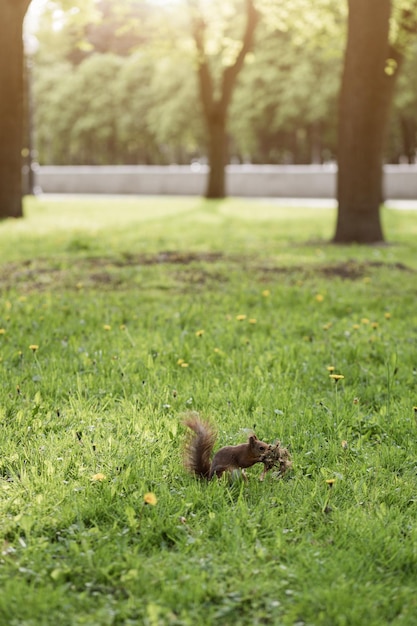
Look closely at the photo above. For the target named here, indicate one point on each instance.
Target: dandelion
(150, 498)
(107, 327)
(336, 377)
(33, 347)
(330, 482)
(355, 326)
(2, 331)
(184, 364)
(344, 444)
(319, 297)
(122, 326)
(240, 318)
(98, 478)
(330, 368)
(374, 325)
(252, 320)
(180, 361)
(364, 320)
(266, 293)
(355, 400)
(327, 326)
(199, 333)
(387, 315)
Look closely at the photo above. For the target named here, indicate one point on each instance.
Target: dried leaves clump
(277, 457)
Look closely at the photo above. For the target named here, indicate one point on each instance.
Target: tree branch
(198, 28)
(230, 73)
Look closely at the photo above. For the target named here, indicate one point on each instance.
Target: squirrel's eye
(261, 448)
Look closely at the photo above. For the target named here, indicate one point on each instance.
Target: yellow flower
(150, 498)
(387, 315)
(97, 478)
(2, 331)
(180, 361)
(107, 327)
(199, 333)
(330, 368)
(266, 293)
(327, 326)
(374, 324)
(33, 347)
(355, 400)
(336, 377)
(319, 297)
(122, 326)
(345, 444)
(252, 320)
(365, 320)
(240, 318)
(355, 326)
(184, 364)
(331, 482)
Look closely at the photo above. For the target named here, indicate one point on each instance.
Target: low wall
(285, 181)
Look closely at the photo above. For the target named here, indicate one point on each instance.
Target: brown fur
(200, 446)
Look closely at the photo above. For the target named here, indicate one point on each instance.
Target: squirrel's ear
(252, 440)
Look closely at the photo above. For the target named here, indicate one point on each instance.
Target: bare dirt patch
(186, 268)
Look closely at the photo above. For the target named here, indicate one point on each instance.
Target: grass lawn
(117, 316)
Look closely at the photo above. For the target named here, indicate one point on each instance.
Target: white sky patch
(34, 11)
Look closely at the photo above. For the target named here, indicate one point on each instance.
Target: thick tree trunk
(218, 157)
(12, 13)
(365, 99)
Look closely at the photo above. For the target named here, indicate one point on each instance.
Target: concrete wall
(285, 181)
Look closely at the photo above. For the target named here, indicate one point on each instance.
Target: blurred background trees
(153, 81)
(121, 87)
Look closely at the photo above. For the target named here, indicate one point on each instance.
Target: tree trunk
(12, 13)
(365, 99)
(218, 157)
(215, 107)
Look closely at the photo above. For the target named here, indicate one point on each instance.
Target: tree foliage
(284, 107)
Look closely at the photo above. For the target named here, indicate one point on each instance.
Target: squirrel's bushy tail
(199, 448)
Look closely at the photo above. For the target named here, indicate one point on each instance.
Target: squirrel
(199, 449)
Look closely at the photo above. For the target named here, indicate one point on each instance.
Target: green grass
(113, 292)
